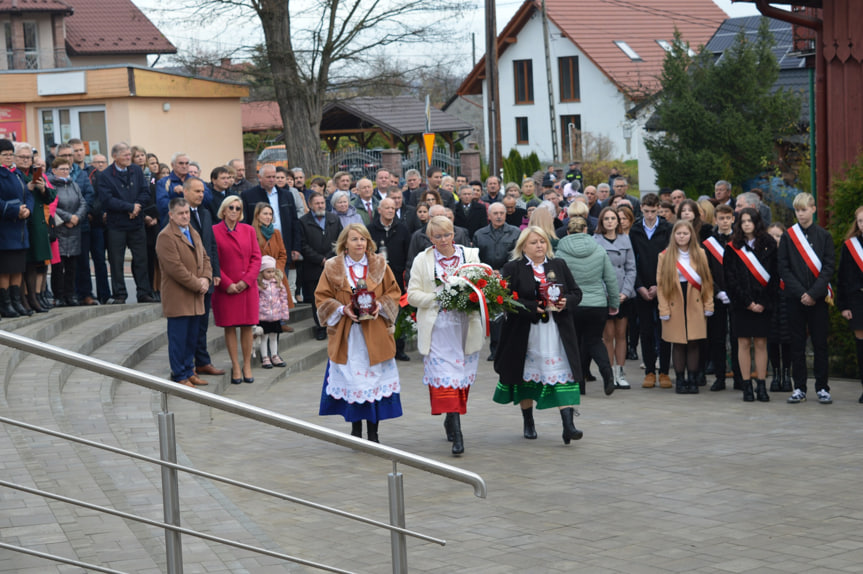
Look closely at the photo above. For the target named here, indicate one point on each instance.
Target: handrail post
(170, 488)
(395, 481)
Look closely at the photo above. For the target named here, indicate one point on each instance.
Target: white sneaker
(620, 378)
(824, 397)
(797, 396)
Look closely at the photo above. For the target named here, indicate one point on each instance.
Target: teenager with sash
(849, 295)
(685, 294)
(753, 286)
(806, 264)
(779, 339)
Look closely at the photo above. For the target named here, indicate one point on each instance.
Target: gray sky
(224, 36)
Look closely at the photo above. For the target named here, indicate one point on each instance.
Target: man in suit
(365, 202)
(470, 212)
(124, 193)
(202, 221)
(186, 278)
(221, 180)
(406, 215)
(284, 208)
(320, 229)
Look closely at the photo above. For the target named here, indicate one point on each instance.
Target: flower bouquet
(406, 322)
(476, 287)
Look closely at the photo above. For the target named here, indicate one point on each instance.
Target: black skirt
(271, 326)
(855, 303)
(749, 324)
(13, 261)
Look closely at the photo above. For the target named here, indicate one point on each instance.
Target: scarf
(267, 231)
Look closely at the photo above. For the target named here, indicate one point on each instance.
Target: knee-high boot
(357, 429)
(457, 438)
(447, 426)
(529, 426)
(372, 429)
(17, 304)
(569, 430)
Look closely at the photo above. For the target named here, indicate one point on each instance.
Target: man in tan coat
(186, 277)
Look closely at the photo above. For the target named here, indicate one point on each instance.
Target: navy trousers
(182, 340)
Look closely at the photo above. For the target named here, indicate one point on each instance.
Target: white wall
(602, 107)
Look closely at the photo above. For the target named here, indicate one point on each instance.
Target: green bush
(596, 172)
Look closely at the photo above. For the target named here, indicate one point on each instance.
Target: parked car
(275, 154)
(358, 163)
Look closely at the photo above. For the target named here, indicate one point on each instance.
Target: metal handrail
(248, 411)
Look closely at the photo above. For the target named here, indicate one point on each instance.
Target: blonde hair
(543, 219)
(854, 230)
(803, 200)
(342, 241)
(576, 224)
(577, 209)
(280, 278)
(666, 274)
(226, 202)
(518, 250)
(439, 223)
(708, 215)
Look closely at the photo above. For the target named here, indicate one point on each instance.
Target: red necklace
(354, 278)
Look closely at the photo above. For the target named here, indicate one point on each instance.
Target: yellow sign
(428, 139)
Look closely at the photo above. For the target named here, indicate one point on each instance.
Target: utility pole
(492, 94)
(552, 115)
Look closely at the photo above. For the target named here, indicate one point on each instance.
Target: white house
(605, 57)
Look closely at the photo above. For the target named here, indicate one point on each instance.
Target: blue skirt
(386, 408)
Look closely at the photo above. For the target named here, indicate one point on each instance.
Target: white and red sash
(795, 232)
(715, 248)
(689, 273)
(753, 264)
(856, 250)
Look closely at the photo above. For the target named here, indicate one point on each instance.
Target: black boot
(529, 426)
(372, 431)
(718, 385)
(34, 303)
(569, 430)
(457, 438)
(447, 425)
(761, 391)
(748, 396)
(787, 386)
(776, 383)
(694, 383)
(680, 386)
(357, 429)
(6, 308)
(15, 296)
(43, 301)
(607, 380)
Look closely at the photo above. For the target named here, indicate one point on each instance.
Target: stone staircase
(74, 401)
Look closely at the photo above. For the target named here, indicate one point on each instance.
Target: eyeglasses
(183, 163)
(65, 155)
(18, 155)
(235, 207)
(443, 236)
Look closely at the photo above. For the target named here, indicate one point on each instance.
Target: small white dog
(257, 333)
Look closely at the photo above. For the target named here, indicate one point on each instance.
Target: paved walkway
(660, 483)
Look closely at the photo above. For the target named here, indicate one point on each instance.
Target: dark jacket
(495, 245)
(741, 285)
(793, 270)
(717, 268)
(287, 214)
(205, 230)
(218, 197)
(516, 327)
(647, 250)
(165, 193)
(850, 279)
(318, 244)
(397, 241)
(82, 178)
(475, 219)
(119, 192)
(13, 194)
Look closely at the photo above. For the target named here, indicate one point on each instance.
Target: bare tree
(318, 47)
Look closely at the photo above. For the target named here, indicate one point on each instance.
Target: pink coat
(274, 301)
(239, 260)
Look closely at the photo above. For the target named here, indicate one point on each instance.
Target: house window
(627, 49)
(570, 127)
(521, 134)
(523, 81)
(31, 46)
(7, 32)
(569, 86)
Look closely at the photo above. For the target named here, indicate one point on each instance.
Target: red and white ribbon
(689, 273)
(795, 232)
(715, 248)
(753, 264)
(483, 304)
(856, 250)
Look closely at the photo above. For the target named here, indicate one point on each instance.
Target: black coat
(850, 281)
(476, 217)
(119, 192)
(741, 286)
(647, 251)
(287, 214)
(397, 241)
(318, 244)
(205, 230)
(512, 348)
(793, 270)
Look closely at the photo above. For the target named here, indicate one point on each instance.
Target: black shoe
(147, 299)
(447, 426)
(529, 426)
(72, 302)
(402, 356)
(694, 382)
(17, 304)
(761, 391)
(357, 429)
(631, 354)
(786, 381)
(457, 437)
(321, 334)
(680, 386)
(116, 301)
(569, 430)
(718, 385)
(608, 384)
(776, 383)
(43, 301)
(702, 380)
(589, 377)
(372, 431)
(492, 357)
(748, 395)
(738, 384)
(6, 308)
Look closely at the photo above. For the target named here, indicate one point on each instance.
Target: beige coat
(421, 294)
(334, 290)
(182, 267)
(692, 325)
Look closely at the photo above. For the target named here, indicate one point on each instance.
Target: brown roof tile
(261, 116)
(112, 27)
(34, 6)
(594, 26)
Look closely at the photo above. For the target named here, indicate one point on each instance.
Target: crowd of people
(682, 277)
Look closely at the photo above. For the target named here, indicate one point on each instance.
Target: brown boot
(649, 381)
(665, 381)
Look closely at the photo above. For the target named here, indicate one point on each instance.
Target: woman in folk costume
(849, 295)
(449, 340)
(685, 296)
(538, 359)
(752, 281)
(361, 381)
